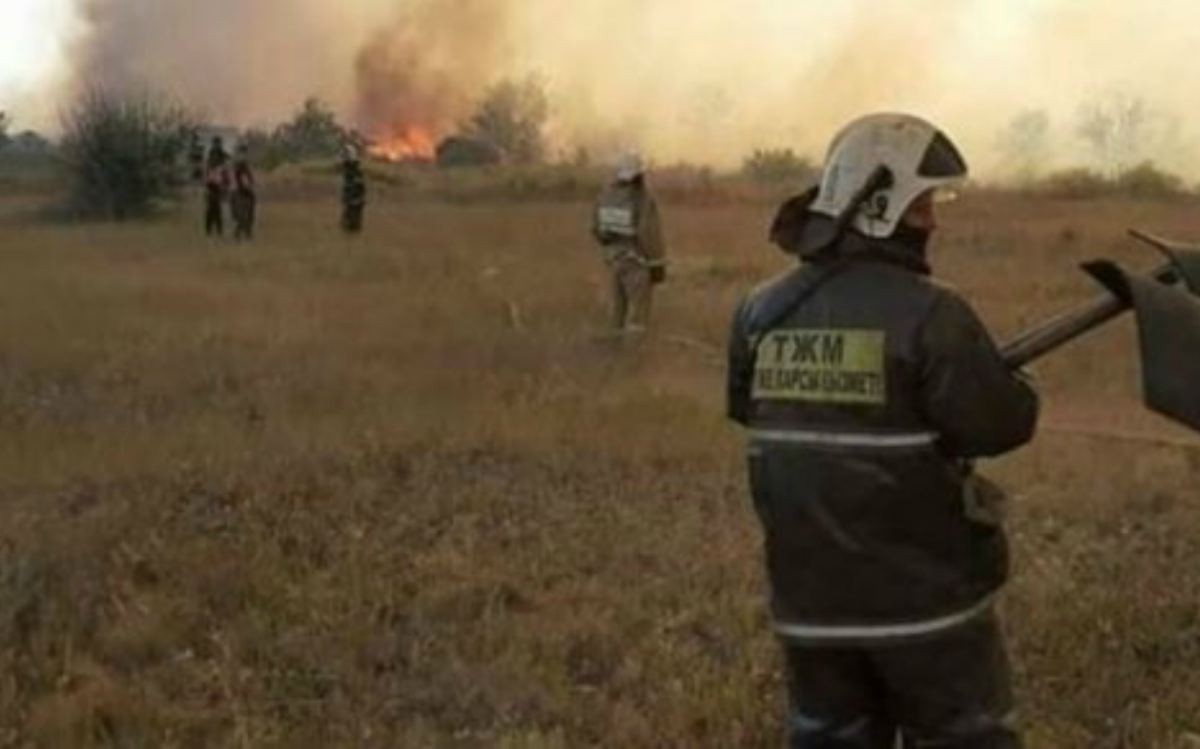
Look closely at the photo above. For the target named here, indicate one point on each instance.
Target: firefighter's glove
(658, 274)
(984, 501)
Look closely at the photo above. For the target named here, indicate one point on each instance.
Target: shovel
(1167, 304)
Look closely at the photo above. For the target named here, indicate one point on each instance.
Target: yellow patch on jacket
(822, 366)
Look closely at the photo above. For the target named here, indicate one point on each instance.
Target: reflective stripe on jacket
(625, 221)
(864, 402)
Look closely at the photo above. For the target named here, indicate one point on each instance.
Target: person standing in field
(867, 391)
(354, 192)
(625, 222)
(216, 188)
(196, 158)
(244, 203)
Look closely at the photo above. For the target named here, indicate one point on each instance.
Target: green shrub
(122, 153)
(313, 133)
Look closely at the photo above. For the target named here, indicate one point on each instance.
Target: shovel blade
(1184, 257)
(1187, 262)
(1168, 320)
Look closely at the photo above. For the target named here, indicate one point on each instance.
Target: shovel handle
(1066, 327)
(1035, 343)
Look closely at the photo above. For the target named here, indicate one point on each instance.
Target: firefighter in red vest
(217, 181)
(244, 202)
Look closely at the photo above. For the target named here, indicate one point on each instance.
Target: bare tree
(1025, 143)
(1114, 128)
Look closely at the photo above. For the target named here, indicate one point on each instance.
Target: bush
(122, 153)
(512, 116)
(1075, 184)
(1148, 181)
(264, 151)
(1143, 181)
(29, 163)
(778, 165)
(29, 143)
(457, 151)
(312, 133)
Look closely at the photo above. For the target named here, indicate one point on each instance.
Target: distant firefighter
(196, 158)
(216, 188)
(244, 203)
(626, 224)
(354, 192)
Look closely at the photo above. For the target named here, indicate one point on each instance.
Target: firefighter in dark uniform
(867, 391)
(354, 192)
(244, 202)
(216, 188)
(196, 158)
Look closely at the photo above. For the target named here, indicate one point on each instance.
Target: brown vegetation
(402, 493)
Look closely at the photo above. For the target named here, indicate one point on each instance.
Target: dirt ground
(402, 491)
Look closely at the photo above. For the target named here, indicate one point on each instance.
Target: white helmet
(904, 155)
(629, 167)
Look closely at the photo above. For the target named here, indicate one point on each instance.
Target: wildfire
(410, 144)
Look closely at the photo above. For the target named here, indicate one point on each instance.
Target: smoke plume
(427, 66)
(237, 62)
(706, 80)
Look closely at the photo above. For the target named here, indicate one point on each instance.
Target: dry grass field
(403, 492)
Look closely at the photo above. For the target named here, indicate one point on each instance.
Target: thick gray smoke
(237, 61)
(707, 80)
(427, 66)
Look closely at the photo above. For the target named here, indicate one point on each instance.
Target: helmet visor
(942, 160)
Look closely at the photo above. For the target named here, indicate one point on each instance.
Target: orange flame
(413, 143)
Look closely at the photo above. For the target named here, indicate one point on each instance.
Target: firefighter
(867, 390)
(244, 202)
(625, 222)
(354, 192)
(196, 158)
(216, 187)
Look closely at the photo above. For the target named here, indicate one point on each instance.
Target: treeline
(1109, 147)
(124, 155)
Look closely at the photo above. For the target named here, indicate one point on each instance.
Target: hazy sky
(683, 79)
(32, 35)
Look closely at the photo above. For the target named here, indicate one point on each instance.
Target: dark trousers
(632, 295)
(214, 217)
(352, 218)
(243, 207)
(949, 692)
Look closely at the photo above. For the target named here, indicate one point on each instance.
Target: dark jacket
(866, 387)
(354, 185)
(217, 175)
(243, 177)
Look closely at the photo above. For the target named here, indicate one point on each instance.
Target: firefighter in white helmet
(867, 391)
(626, 223)
(354, 191)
